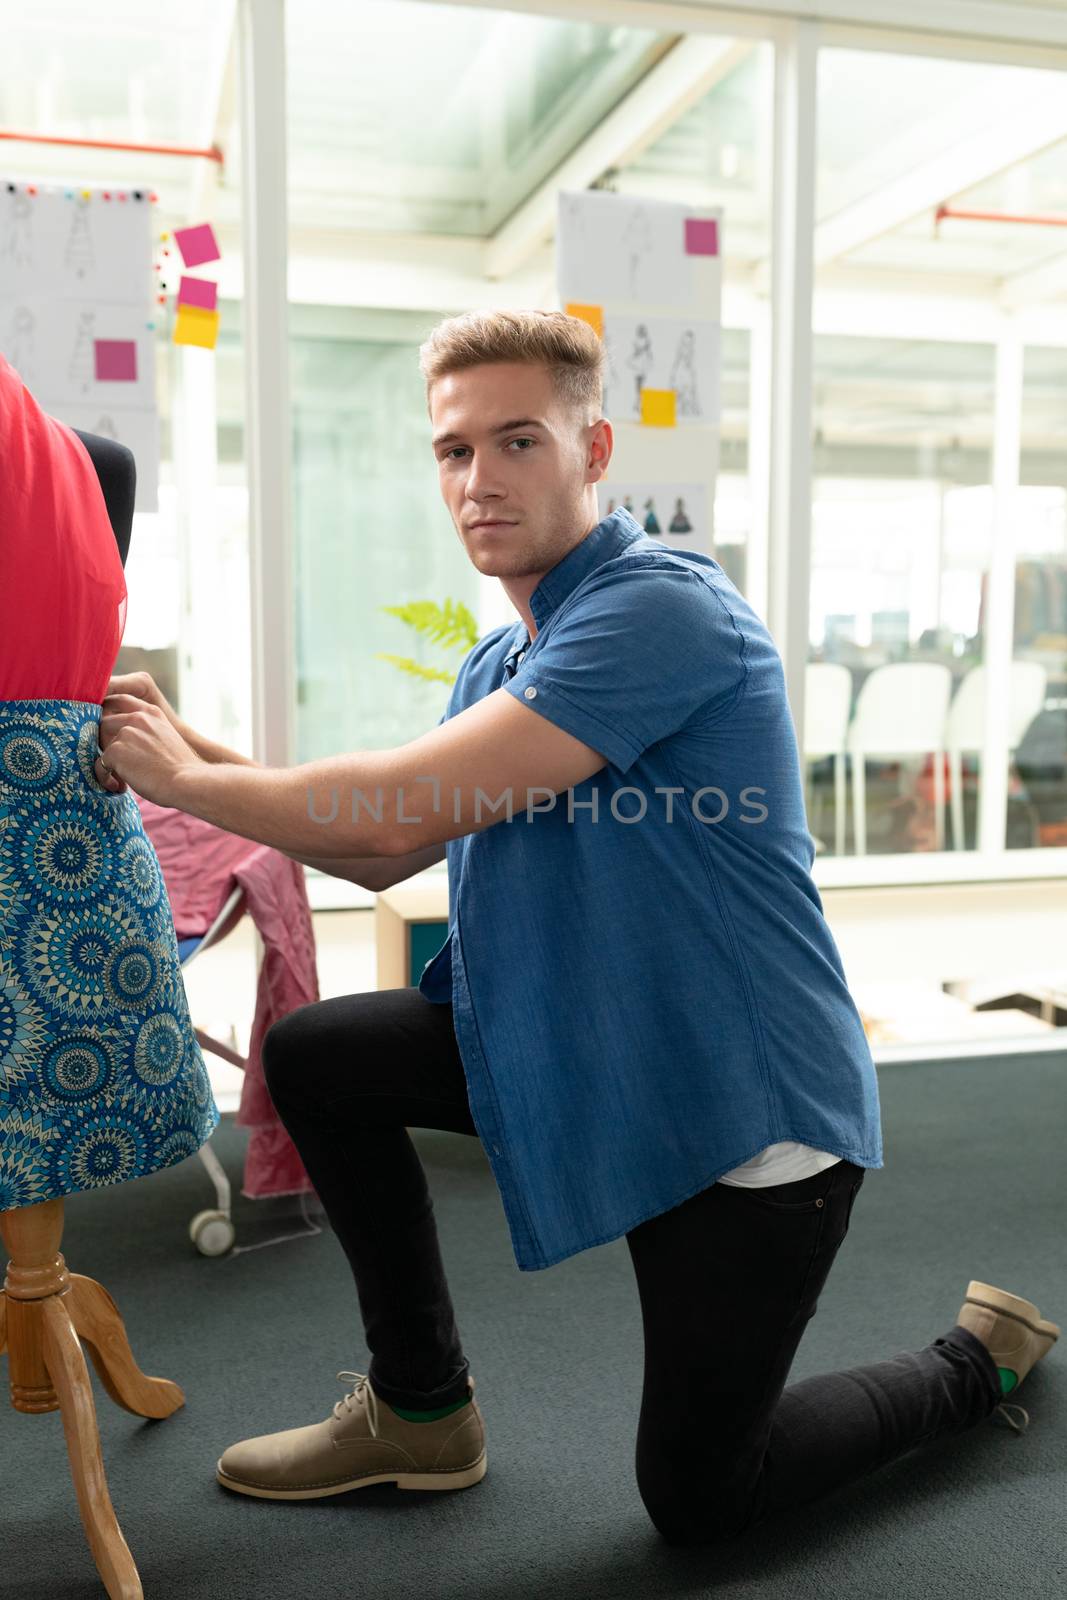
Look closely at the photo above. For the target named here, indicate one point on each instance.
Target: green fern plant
(450, 625)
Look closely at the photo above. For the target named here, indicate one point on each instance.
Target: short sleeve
(632, 657)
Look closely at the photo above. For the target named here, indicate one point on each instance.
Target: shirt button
(530, 692)
(496, 1149)
(521, 654)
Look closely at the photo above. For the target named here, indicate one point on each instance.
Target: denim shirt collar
(611, 536)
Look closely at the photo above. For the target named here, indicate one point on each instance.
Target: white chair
(827, 702)
(900, 711)
(964, 728)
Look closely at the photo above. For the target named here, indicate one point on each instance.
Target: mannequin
(117, 471)
(47, 1313)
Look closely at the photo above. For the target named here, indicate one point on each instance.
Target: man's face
(515, 458)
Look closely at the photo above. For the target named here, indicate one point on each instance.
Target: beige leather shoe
(364, 1441)
(1012, 1330)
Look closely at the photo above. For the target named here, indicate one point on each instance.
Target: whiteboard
(76, 308)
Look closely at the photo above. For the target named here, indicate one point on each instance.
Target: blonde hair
(570, 348)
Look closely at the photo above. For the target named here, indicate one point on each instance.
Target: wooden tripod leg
(99, 1326)
(48, 1372)
(66, 1367)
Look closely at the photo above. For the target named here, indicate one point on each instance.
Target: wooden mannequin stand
(46, 1314)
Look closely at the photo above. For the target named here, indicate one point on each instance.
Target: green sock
(430, 1416)
(1008, 1379)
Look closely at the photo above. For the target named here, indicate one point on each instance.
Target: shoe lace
(1002, 1410)
(363, 1394)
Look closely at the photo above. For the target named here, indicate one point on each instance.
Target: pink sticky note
(701, 237)
(116, 360)
(197, 245)
(198, 292)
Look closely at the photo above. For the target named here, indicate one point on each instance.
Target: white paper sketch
(57, 248)
(18, 344)
(683, 377)
(640, 361)
(676, 514)
(614, 249)
(16, 241)
(611, 374)
(74, 270)
(82, 369)
(662, 353)
(79, 257)
(56, 346)
(639, 243)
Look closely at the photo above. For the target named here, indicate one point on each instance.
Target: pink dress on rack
(101, 1076)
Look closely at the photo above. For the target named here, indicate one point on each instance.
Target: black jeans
(727, 1282)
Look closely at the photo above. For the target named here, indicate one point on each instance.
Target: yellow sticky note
(196, 326)
(594, 315)
(657, 407)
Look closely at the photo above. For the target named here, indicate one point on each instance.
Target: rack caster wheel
(212, 1232)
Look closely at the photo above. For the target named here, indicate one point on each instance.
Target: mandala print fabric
(101, 1076)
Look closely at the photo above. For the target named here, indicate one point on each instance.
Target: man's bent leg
(728, 1281)
(349, 1076)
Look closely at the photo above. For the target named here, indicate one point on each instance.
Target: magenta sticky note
(197, 245)
(701, 237)
(198, 292)
(116, 360)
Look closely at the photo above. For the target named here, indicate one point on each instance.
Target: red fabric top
(62, 587)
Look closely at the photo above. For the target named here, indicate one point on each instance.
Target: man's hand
(141, 746)
(144, 687)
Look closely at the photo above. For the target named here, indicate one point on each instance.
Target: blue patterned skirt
(101, 1076)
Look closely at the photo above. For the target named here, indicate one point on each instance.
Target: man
(639, 1010)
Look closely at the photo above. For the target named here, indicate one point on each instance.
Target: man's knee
(284, 1045)
(700, 1529)
(682, 1517)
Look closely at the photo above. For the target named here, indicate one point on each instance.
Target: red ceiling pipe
(1000, 216)
(214, 154)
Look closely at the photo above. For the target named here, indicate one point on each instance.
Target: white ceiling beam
(666, 16)
(1035, 285)
(664, 95)
(1016, 132)
(403, 271)
(1038, 120)
(1008, 21)
(442, 273)
(946, 46)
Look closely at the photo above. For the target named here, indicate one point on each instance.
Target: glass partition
(511, 94)
(1038, 709)
(132, 76)
(937, 184)
(718, 153)
(370, 530)
(901, 543)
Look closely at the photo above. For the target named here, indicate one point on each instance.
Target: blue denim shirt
(645, 994)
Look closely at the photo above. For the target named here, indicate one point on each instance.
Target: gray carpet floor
(975, 1185)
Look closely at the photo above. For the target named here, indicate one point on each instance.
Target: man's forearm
(369, 872)
(293, 809)
(208, 750)
(333, 866)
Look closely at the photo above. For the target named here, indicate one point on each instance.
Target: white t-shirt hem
(784, 1162)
